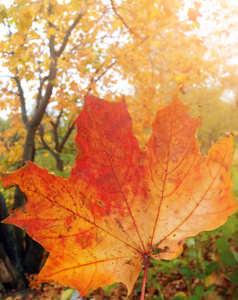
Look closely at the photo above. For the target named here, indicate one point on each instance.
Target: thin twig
(55, 126)
(123, 21)
(66, 136)
(93, 80)
(67, 34)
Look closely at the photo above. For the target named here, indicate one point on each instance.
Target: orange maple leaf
(122, 204)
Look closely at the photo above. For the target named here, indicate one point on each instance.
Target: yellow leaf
(50, 32)
(67, 294)
(47, 138)
(181, 77)
(52, 18)
(211, 279)
(116, 24)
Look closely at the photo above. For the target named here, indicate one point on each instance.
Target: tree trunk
(33, 257)
(59, 164)
(34, 252)
(11, 267)
(9, 275)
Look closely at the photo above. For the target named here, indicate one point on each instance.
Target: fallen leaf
(121, 203)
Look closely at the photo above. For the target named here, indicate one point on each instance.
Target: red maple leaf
(121, 204)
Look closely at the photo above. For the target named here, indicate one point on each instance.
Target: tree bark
(9, 275)
(10, 255)
(59, 164)
(32, 254)
(34, 251)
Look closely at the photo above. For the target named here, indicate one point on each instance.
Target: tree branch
(55, 130)
(52, 36)
(93, 80)
(46, 146)
(35, 122)
(40, 110)
(67, 34)
(123, 21)
(22, 100)
(39, 95)
(53, 68)
(66, 136)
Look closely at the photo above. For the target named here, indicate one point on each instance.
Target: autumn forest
(118, 149)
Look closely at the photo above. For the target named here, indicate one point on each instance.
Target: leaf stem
(147, 263)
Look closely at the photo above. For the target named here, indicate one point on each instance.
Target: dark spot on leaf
(160, 250)
(88, 108)
(119, 224)
(156, 245)
(100, 120)
(100, 203)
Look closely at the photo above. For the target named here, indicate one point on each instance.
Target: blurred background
(53, 52)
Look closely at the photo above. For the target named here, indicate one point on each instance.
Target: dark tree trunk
(60, 165)
(33, 257)
(33, 253)
(10, 277)
(10, 256)
(18, 196)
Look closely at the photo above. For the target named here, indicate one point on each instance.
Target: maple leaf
(122, 204)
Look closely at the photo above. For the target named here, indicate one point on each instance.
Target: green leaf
(190, 242)
(234, 175)
(222, 244)
(211, 289)
(108, 289)
(180, 296)
(185, 271)
(194, 298)
(204, 237)
(199, 290)
(212, 267)
(234, 277)
(198, 274)
(228, 258)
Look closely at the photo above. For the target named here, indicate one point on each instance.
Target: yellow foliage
(51, 31)
(52, 18)
(141, 49)
(47, 138)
